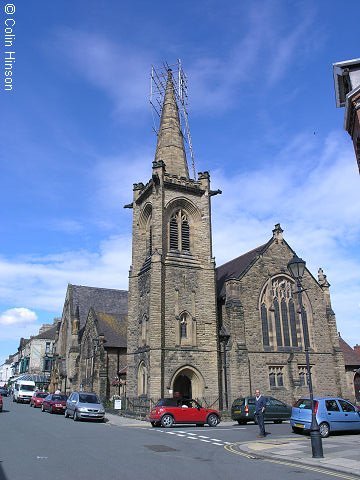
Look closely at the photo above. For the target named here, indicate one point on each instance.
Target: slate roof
(100, 299)
(351, 357)
(48, 334)
(113, 327)
(237, 267)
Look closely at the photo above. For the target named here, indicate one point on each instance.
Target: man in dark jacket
(260, 405)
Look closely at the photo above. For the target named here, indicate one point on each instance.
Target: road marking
(324, 471)
(180, 435)
(192, 434)
(215, 443)
(171, 433)
(203, 436)
(215, 440)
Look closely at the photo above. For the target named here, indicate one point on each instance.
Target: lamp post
(224, 338)
(297, 268)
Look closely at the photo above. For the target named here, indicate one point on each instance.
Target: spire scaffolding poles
(158, 82)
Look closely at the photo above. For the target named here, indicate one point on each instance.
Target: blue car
(332, 414)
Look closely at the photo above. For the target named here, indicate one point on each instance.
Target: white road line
(207, 441)
(228, 443)
(221, 444)
(192, 434)
(180, 435)
(171, 433)
(215, 440)
(203, 436)
(180, 431)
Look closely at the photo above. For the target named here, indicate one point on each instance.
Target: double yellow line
(231, 449)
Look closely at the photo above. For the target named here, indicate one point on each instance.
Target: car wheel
(76, 416)
(296, 429)
(277, 421)
(212, 420)
(167, 421)
(66, 413)
(241, 422)
(324, 430)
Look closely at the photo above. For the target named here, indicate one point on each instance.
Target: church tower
(172, 321)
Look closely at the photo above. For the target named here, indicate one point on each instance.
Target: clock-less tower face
(172, 329)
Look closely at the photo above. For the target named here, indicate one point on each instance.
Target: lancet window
(281, 321)
(179, 232)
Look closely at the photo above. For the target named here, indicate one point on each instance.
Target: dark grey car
(84, 405)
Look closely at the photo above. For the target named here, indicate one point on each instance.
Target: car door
(351, 416)
(72, 403)
(333, 414)
(279, 410)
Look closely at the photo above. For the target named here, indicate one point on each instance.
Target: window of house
(276, 377)
(281, 322)
(47, 364)
(179, 232)
(47, 347)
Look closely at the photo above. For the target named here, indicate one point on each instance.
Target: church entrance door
(357, 386)
(188, 383)
(182, 386)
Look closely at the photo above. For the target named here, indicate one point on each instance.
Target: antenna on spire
(157, 93)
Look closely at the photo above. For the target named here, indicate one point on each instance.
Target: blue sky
(77, 133)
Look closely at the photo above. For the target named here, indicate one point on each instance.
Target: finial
(278, 233)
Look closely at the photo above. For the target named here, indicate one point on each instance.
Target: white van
(23, 390)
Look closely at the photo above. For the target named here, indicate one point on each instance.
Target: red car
(1, 403)
(37, 399)
(169, 411)
(54, 403)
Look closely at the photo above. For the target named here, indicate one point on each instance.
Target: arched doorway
(357, 386)
(188, 383)
(182, 386)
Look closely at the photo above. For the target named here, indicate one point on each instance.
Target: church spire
(170, 144)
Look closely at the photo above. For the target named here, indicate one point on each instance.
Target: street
(37, 445)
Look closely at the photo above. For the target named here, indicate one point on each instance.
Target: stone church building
(193, 329)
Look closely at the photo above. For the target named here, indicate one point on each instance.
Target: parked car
(332, 414)
(1, 403)
(84, 405)
(54, 403)
(243, 410)
(37, 399)
(170, 411)
(4, 392)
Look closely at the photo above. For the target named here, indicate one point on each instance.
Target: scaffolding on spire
(157, 93)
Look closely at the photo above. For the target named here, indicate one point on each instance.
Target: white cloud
(17, 316)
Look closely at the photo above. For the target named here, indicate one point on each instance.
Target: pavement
(341, 451)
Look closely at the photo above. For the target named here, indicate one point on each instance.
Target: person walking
(260, 405)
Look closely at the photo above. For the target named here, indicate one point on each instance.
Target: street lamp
(224, 338)
(297, 268)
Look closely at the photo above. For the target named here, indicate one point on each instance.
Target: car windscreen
(27, 388)
(239, 402)
(88, 398)
(59, 398)
(304, 403)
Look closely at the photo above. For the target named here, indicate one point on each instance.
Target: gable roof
(351, 357)
(100, 299)
(113, 327)
(237, 267)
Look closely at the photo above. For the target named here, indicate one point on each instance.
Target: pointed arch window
(186, 330)
(280, 315)
(179, 232)
(142, 379)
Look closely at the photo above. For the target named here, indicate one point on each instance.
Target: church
(187, 328)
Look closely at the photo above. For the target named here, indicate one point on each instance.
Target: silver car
(84, 405)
